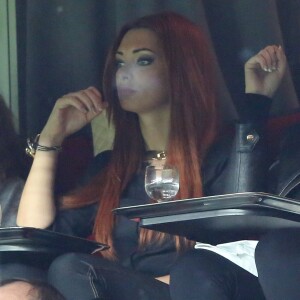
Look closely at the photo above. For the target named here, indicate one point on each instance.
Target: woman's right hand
(70, 113)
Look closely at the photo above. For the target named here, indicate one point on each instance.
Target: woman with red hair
(159, 91)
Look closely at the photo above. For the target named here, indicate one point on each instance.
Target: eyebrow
(136, 50)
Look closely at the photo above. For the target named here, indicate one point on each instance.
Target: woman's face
(141, 77)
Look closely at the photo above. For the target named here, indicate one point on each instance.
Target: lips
(125, 92)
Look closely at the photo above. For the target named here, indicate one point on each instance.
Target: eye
(145, 60)
(119, 63)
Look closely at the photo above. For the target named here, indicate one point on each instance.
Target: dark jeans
(277, 258)
(204, 275)
(87, 277)
(197, 275)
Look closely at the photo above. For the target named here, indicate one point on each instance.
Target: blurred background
(51, 47)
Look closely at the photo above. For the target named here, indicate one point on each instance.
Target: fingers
(93, 95)
(88, 100)
(271, 58)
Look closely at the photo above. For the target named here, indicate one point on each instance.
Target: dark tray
(217, 219)
(38, 247)
(33, 239)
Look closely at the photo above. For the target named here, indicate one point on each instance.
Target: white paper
(240, 253)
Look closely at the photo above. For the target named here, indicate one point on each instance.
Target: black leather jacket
(284, 175)
(238, 162)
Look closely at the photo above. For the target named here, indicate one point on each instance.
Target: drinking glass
(161, 182)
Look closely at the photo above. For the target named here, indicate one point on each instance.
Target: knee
(198, 264)
(277, 245)
(64, 264)
(63, 260)
(186, 263)
(198, 275)
(73, 274)
(277, 250)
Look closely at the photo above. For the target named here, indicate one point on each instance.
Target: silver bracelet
(33, 146)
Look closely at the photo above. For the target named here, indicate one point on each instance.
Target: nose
(124, 73)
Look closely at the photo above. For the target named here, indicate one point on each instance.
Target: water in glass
(161, 182)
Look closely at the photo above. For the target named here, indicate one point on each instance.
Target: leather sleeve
(247, 165)
(242, 164)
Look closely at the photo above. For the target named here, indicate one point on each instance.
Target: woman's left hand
(265, 70)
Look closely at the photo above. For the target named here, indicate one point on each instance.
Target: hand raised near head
(265, 70)
(70, 113)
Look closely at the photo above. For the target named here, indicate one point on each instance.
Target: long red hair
(192, 128)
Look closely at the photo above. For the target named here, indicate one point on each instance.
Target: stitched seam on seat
(288, 187)
(91, 280)
(92, 274)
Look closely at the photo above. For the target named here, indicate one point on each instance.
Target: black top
(155, 260)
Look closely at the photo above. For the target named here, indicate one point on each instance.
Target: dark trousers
(204, 275)
(198, 274)
(277, 258)
(87, 277)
